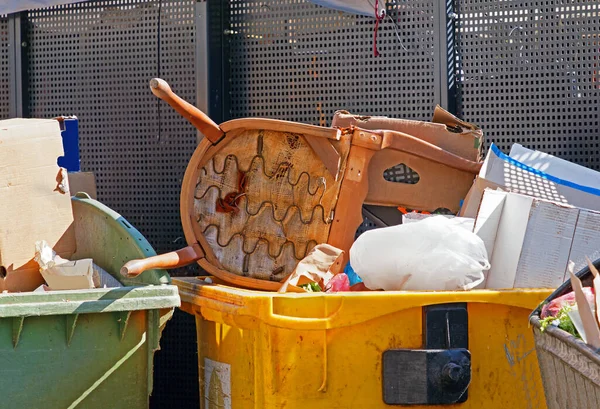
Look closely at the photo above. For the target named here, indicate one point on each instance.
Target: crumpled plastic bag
(432, 254)
(338, 283)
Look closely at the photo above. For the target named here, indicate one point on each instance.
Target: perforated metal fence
(4, 73)
(529, 74)
(95, 60)
(297, 61)
(526, 72)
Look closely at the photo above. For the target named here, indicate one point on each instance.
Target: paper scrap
(319, 266)
(588, 318)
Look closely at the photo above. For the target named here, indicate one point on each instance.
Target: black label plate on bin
(438, 374)
(425, 376)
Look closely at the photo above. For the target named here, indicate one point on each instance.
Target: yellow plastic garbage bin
(364, 350)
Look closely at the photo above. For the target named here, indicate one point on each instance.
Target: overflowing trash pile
(516, 203)
(277, 205)
(525, 218)
(472, 224)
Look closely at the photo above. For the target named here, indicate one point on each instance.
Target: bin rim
(477, 295)
(97, 300)
(343, 309)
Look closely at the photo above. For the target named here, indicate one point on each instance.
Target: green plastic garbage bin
(87, 348)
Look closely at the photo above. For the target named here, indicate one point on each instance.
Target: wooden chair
(258, 194)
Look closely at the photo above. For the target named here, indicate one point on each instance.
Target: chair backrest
(264, 196)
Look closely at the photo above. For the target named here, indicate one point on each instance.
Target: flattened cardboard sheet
(35, 202)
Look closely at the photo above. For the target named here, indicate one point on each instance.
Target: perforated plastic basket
(570, 368)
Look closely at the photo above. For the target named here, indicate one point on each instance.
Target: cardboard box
(560, 168)
(446, 131)
(502, 171)
(530, 241)
(440, 185)
(72, 275)
(470, 206)
(505, 171)
(35, 202)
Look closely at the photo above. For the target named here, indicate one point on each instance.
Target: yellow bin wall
(311, 351)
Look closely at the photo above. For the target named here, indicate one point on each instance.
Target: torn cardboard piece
(35, 200)
(446, 131)
(576, 320)
(596, 283)
(319, 266)
(72, 275)
(61, 274)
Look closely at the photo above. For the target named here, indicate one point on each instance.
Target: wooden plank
(348, 212)
(326, 152)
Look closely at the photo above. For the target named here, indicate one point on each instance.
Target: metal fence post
(445, 17)
(218, 59)
(17, 65)
(201, 56)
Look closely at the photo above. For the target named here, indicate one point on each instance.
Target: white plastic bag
(432, 254)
